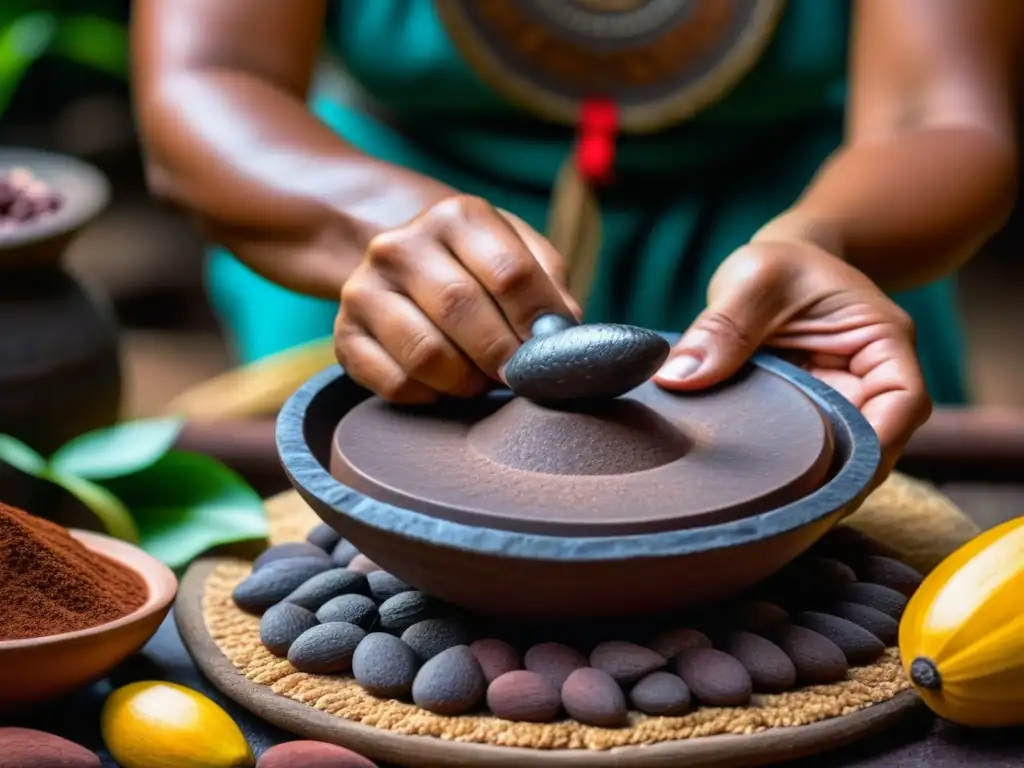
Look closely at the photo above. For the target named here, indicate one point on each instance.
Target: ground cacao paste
(51, 584)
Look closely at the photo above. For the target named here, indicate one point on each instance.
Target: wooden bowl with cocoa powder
(37, 670)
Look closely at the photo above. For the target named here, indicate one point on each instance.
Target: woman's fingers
(895, 397)
(447, 295)
(550, 260)
(469, 272)
(749, 300)
(446, 300)
(418, 347)
(370, 366)
(492, 251)
(824, 314)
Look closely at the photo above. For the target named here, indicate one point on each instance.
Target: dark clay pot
(60, 372)
(528, 574)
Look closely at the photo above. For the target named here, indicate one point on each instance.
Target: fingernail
(679, 368)
(574, 307)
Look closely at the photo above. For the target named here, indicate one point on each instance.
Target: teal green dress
(721, 175)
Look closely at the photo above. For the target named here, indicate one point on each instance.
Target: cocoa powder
(51, 584)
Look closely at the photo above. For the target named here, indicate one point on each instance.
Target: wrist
(800, 226)
(372, 197)
(367, 199)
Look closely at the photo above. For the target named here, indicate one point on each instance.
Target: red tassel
(595, 150)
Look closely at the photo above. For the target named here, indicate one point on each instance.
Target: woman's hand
(837, 323)
(439, 305)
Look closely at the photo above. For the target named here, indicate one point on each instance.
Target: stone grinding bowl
(527, 575)
(37, 670)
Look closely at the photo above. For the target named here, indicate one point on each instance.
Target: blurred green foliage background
(52, 51)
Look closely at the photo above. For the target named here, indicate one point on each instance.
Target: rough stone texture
(287, 551)
(384, 665)
(714, 677)
(324, 537)
(384, 586)
(430, 637)
(661, 694)
(594, 361)
(275, 581)
(857, 644)
(450, 683)
(237, 635)
(891, 573)
(405, 609)
(874, 621)
(343, 553)
(326, 648)
(888, 601)
(353, 609)
(817, 659)
(283, 624)
(325, 586)
(770, 669)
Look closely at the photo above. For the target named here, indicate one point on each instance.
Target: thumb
(747, 306)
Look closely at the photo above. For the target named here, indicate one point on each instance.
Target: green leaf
(186, 504)
(110, 510)
(21, 457)
(23, 41)
(123, 449)
(113, 514)
(94, 41)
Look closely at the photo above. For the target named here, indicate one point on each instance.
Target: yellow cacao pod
(962, 635)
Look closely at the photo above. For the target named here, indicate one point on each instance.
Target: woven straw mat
(916, 505)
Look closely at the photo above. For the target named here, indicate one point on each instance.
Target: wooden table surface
(976, 457)
(921, 740)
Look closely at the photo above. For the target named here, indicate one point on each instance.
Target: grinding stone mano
(565, 362)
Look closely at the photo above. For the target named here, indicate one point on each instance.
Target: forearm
(910, 210)
(269, 181)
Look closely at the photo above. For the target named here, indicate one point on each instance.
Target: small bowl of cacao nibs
(44, 196)
(24, 198)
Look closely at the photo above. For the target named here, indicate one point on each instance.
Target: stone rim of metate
(856, 442)
(87, 196)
